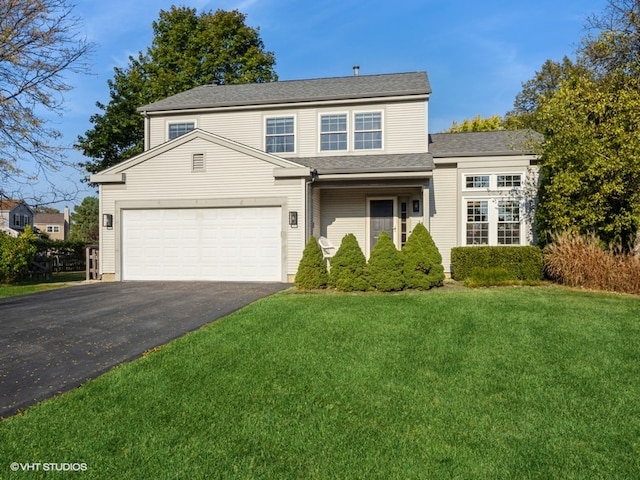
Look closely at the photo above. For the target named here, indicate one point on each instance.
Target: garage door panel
(202, 244)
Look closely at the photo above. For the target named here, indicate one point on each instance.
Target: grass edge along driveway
(496, 383)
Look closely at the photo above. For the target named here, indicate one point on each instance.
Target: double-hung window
(508, 222)
(280, 136)
(493, 222)
(477, 222)
(180, 128)
(333, 132)
(367, 131)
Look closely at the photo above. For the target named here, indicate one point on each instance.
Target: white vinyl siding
(404, 126)
(344, 211)
(444, 210)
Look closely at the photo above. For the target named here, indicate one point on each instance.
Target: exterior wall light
(107, 220)
(293, 219)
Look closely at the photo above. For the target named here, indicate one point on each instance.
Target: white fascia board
(102, 178)
(291, 172)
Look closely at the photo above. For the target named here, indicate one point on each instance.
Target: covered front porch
(367, 208)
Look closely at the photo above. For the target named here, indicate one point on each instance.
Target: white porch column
(426, 205)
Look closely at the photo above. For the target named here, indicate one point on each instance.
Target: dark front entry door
(381, 215)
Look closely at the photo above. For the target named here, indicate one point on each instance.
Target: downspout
(309, 203)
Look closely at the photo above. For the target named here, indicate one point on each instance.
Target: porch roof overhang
(383, 166)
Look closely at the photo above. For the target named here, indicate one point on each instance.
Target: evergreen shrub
(348, 265)
(422, 262)
(384, 270)
(312, 271)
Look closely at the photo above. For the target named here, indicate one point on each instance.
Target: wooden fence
(91, 260)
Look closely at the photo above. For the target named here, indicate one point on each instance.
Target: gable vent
(197, 162)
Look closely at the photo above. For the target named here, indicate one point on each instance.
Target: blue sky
(477, 54)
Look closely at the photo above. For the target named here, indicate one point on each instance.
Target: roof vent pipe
(356, 70)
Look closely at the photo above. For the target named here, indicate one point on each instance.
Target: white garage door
(234, 244)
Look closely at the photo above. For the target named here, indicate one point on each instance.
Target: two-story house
(15, 215)
(235, 179)
(55, 225)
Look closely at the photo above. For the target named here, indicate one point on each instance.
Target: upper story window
(333, 132)
(21, 220)
(280, 136)
(476, 181)
(53, 228)
(506, 181)
(367, 131)
(180, 128)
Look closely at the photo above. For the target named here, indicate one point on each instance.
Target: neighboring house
(55, 225)
(235, 178)
(15, 215)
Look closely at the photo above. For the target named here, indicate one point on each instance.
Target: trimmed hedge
(521, 263)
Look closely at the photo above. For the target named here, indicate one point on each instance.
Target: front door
(381, 220)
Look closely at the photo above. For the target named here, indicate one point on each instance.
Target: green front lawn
(58, 280)
(497, 383)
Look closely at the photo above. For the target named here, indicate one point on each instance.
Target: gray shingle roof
(500, 142)
(405, 162)
(337, 88)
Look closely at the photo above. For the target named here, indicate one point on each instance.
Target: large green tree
(590, 178)
(188, 50)
(588, 112)
(543, 85)
(85, 225)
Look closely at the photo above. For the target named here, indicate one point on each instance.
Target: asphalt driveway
(54, 341)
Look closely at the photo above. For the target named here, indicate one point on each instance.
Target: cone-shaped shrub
(422, 260)
(312, 270)
(385, 266)
(348, 267)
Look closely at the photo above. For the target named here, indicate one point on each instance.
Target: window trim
(53, 228)
(509, 222)
(178, 122)
(493, 181)
(320, 132)
(354, 131)
(475, 175)
(295, 133)
(509, 187)
(493, 204)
